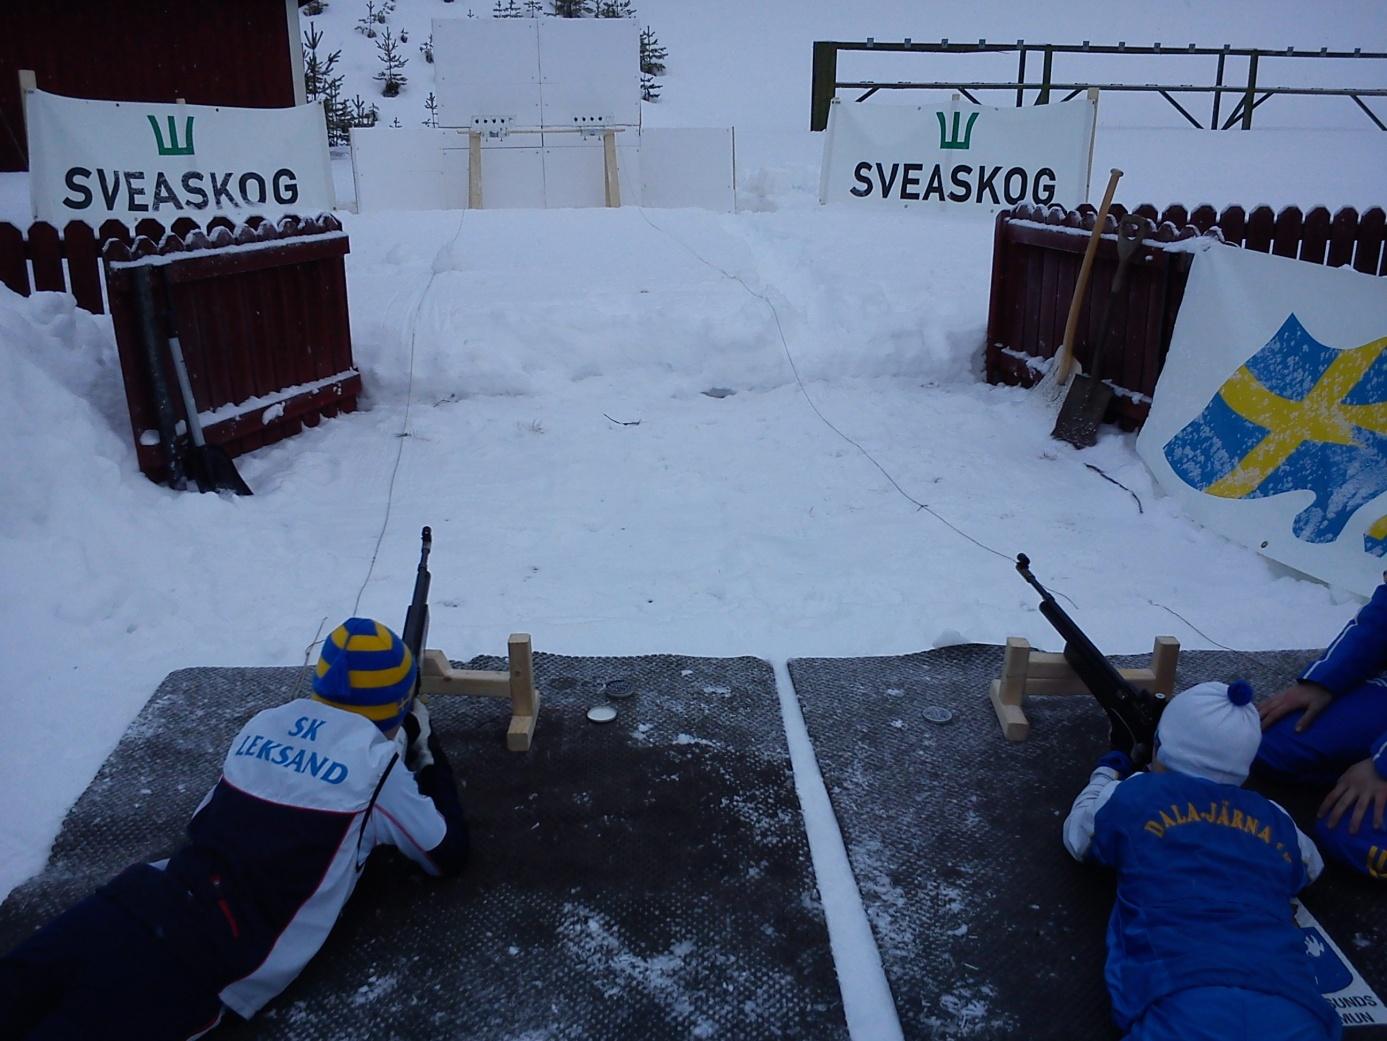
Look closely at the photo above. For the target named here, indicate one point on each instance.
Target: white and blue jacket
(307, 792)
(1205, 877)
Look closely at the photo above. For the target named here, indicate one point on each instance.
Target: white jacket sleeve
(407, 820)
(1309, 852)
(1078, 826)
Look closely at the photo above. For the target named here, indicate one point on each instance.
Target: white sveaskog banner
(1269, 422)
(957, 156)
(92, 160)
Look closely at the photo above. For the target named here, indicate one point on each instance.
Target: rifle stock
(1131, 711)
(416, 630)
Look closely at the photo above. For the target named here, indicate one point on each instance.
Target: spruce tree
(533, 8)
(426, 49)
(652, 54)
(570, 8)
(366, 25)
(613, 9)
(509, 9)
(431, 110)
(317, 68)
(319, 83)
(359, 114)
(391, 76)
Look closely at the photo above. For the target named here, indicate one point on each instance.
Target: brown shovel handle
(1066, 351)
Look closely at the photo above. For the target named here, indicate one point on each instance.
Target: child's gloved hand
(1119, 762)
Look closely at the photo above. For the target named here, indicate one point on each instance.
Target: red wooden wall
(208, 52)
(261, 313)
(1036, 256)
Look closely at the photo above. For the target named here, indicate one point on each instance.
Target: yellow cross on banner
(1320, 416)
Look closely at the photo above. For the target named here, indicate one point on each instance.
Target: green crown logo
(946, 141)
(173, 147)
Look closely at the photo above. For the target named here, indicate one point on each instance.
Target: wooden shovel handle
(1066, 351)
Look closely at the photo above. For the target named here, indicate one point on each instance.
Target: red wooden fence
(1035, 262)
(44, 259)
(261, 314)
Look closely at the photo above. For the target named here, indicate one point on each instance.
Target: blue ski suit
(1202, 943)
(1352, 728)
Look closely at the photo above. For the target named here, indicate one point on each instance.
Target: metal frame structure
(825, 83)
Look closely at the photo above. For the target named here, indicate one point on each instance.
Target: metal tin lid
(601, 713)
(937, 714)
(619, 688)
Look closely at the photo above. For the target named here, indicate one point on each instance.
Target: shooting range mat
(987, 928)
(643, 878)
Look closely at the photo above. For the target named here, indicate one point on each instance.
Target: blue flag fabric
(1296, 416)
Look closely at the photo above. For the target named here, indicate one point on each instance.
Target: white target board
(536, 72)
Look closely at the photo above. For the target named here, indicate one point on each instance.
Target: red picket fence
(43, 259)
(261, 315)
(1036, 256)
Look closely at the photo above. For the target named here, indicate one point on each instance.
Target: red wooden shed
(213, 52)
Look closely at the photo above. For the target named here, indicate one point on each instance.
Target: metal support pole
(1359, 102)
(1218, 81)
(1249, 99)
(1020, 79)
(824, 84)
(1044, 98)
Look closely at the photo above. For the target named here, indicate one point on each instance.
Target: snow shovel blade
(1082, 411)
(213, 470)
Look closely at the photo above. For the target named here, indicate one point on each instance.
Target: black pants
(133, 961)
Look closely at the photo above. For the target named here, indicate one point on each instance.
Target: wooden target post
(1025, 671)
(437, 676)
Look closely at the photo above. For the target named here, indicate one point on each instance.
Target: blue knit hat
(365, 668)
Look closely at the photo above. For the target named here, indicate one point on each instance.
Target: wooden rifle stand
(1025, 671)
(437, 676)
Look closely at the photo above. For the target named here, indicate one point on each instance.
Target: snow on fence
(1035, 261)
(261, 314)
(43, 259)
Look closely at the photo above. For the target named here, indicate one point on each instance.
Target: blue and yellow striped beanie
(365, 668)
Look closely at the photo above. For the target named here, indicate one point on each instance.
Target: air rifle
(1132, 712)
(417, 617)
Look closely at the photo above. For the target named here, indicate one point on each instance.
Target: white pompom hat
(1212, 731)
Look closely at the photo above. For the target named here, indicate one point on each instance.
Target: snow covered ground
(538, 392)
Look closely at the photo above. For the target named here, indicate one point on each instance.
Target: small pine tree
(391, 76)
(533, 8)
(650, 88)
(339, 117)
(431, 110)
(313, 8)
(360, 114)
(317, 68)
(319, 83)
(395, 123)
(652, 54)
(613, 9)
(509, 9)
(570, 8)
(426, 49)
(366, 25)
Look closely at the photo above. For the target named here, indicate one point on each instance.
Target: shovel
(1089, 396)
(208, 465)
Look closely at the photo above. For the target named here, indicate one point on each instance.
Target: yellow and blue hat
(365, 668)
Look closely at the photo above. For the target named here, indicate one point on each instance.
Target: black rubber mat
(987, 928)
(643, 879)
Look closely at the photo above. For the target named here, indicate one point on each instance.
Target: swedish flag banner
(1269, 422)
